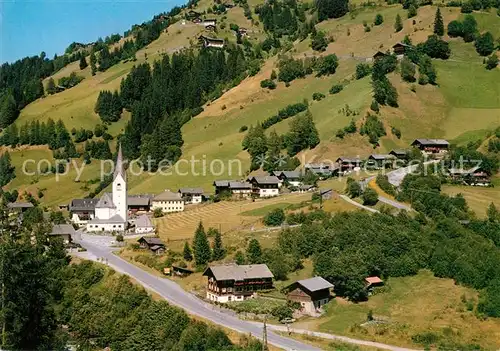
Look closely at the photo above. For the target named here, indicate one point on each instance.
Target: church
(111, 211)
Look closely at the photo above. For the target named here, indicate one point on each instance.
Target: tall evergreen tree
(254, 252)
(398, 25)
(8, 109)
(438, 23)
(303, 134)
(51, 86)
(218, 251)
(201, 246)
(187, 254)
(83, 62)
(93, 62)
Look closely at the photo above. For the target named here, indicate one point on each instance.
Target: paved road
(174, 294)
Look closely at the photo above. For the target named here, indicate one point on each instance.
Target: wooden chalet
(432, 146)
(234, 188)
(211, 42)
(379, 55)
(348, 164)
(154, 244)
(323, 170)
(400, 154)
(193, 14)
(265, 186)
(139, 203)
(291, 177)
(473, 176)
(401, 48)
(312, 294)
(233, 282)
(64, 231)
(380, 161)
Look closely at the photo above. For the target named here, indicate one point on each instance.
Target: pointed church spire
(119, 164)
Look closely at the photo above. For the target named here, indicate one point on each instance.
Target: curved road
(177, 296)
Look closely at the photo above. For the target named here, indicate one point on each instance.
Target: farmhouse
(64, 231)
(82, 210)
(154, 244)
(380, 161)
(400, 49)
(265, 186)
(379, 55)
(168, 201)
(291, 177)
(432, 146)
(193, 14)
(348, 164)
(210, 22)
(235, 188)
(210, 28)
(400, 154)
(139, 203)
(323, 170)
(312, 294)
(473, 176)
(211, 42)
(191, 195)
(143, 225)
(236, 283)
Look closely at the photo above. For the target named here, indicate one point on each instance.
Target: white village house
(111, 211)
(191, 195)
(143, 225)
(168, 201)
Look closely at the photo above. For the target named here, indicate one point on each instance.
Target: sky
(28, 27)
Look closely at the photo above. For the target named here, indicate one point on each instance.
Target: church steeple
(119, 164)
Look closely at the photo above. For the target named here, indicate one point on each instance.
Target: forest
(50, 302)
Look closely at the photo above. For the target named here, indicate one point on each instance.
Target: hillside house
(399, 49)
(210, 28)
(349, 164)
(139, 203)
(168, 202)
(233, 282)
(306, 187)
(191, 195)
(154, 244)
(312, 294)
(323, 170)
(211, 42)
(234, 188)
(400, 154)
(64, 231)
(472, 176)
(432, 146)
(242, 31)
(265, 186)
(82, 210)
(326, 194)
(379, 55)
(292, 178)
(144, 225)
(193, 14)
(210, 23)
(380, 161)
(19, 207)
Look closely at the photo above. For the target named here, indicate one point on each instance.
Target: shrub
(395, 131)
(157, 213)
(455, 29)
(378, 20)
(337, 88)
(362, 70)
(288, 111)
(466, 7)
(340, 134)
(243, 128)
(374, 106)
(274, 218)
(268, 83)
(492, 61)
(484, 44)
(383, 182)
(370, 197)
(318, 96)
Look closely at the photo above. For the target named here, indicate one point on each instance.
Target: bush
(353, 188)
(288, 111)
(378, 20)
(362, 70)
(370, 197)
(435, 47)
(340, 134)
(383, 182)
(268, 83)
(318, 96)
(243, 128)
(274, 218)
(374, 106)
(492, 61)
(466, 7)
(455, 29)
(484, 44)
(337, 88)
(395, 131)
(157, 213)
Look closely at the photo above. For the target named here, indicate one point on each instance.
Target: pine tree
(201, 246)
(218, 251)
(239, 258)
(412, 11)
(188, 255)
(93, 62)
(398, 25)
(493, 213)
(438, 23)
(83, 63)
(254, 252)
(8, 110)
(51, 86)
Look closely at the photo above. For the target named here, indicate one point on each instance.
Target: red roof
(373, 280)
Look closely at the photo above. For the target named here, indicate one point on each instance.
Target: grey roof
(114, 219)
(265, 179)
(139, 200)
(106, 201)
(398, 151)
(324, 191)
(167, 195)
(20, 205)
(156, 247)
(402, 44)
(287, 174)
(380, 156)
(306, 186)
(349, 159)
(62, 229)
(83, 204)
(431, 142)
(464, 171)
(223, 183)
(152, 241)
(191, 191)
(315, 284)
(240, 272)
(143, 222)
(240, 185)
